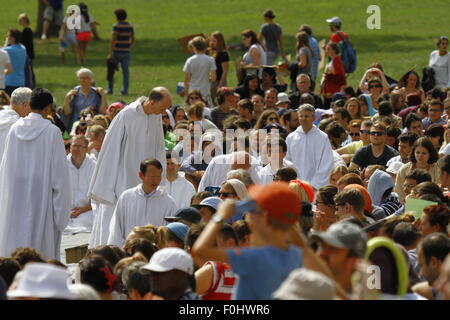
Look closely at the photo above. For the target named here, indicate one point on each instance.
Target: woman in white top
(440, 62)
(255, 57)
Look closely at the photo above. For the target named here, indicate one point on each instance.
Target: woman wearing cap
(423, 156)
(233, 189)
(172, 235)
(440, 62)
(255, 57)
(410, 84)
(113, 109)
(334, 76)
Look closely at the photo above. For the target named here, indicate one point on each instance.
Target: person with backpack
(334, 76)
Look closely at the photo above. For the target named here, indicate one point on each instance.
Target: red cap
(364, 193)
(118, 105)
(281, 202)
(307, 187)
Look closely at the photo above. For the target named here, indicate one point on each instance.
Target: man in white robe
(276, 155)
(20, 107)
(35, 185)
(177, 185)
(309, 149)
(217, 170)
(135, 134)
(81, 168)
(147, 203)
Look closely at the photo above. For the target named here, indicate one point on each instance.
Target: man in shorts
(53, 12)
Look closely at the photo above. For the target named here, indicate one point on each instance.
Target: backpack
(348, 54)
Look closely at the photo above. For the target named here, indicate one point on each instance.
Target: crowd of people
(269, 190)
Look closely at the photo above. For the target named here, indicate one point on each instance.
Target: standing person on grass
(271, 35)
(120, 49)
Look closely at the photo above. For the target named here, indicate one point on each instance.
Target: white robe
(266, 174)
(181, 190)
(80, 179)
(217, 170)
(132, 137)
(311, 155)
(7, 118)
(35, 188)
(135, 208)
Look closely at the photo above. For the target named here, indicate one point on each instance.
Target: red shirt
(334, 82)
(335, 38)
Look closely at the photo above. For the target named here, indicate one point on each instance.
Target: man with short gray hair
(309, 149)
(20, 107)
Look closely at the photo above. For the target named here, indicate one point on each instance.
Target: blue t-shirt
(56, 4)
(18, 56)
(262, 270)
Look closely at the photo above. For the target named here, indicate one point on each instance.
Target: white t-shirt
(199, 66)
(4, 60)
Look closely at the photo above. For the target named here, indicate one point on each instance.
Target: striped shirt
(222, 284)
(124, 32)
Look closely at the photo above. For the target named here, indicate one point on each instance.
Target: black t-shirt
(364, 157)
(27, 41)
(221, 57)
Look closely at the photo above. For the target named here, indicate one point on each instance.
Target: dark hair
(246, 104)
(350, 91)
(96, 271)
(271, 72)
(327, 194)
(429, 187)
(350, 178)
(438, 215)
(440, 39)
(335, 129)
(334, 46)
(344, 113)
(408, 137)
(281, 143)
(16, 34)
(410, 118)
(241, 229)
(40, 98)
(141, 245)
(135, 277)
(437, 103)
(444, 164)
(268, 13)
(436, 130)
(406, 234)
(192, 235)
(250, 34)
(226, 232)
(23, 255)
(402, 81)
(424, 142)
(306, 28)
(436, 245)
(286, 174)
(106, 252)
(8, 269)
(84, 11)
(419, 175)
(150, 162)
(121, 14)
(385, 108)
(351, 196)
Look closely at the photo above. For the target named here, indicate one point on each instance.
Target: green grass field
(408, 33)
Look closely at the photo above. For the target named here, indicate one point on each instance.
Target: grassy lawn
(408, 33)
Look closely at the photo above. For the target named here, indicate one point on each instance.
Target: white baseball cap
(282, 97)
(43, 280)
(335, 20)
(168, 259)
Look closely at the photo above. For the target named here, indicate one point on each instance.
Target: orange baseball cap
(282, 203)
(307, 187)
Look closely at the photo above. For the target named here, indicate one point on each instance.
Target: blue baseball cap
(179, 229)
(187, 213)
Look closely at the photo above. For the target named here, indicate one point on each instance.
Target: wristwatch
(217, 219)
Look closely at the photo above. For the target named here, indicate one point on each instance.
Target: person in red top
(334, 77)
(216, 280)
(335, 27)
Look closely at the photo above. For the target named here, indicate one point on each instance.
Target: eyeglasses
(226, 194)
(364, 131)
(409, 186)
(376, 133)
(356, 134)
(377, 86)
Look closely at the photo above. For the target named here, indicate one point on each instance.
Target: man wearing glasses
(377, 152)
(435, 111)
(348, 150)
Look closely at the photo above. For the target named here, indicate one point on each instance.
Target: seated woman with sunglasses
(375, 91)
(267, 117)
(233, 189)
(195, 96)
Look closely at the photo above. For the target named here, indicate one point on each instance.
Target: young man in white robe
(276, 154)
(20, 107)
(217, 170)
(35, 183)
(147, 203)
(135, 134)
(81, 168)
(309, 149)
(176, 184)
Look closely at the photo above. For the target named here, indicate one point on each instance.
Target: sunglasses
(226, 194)
(356, 134)
(272, 119)
(376, 133)
(370, 87)
(364, 131)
